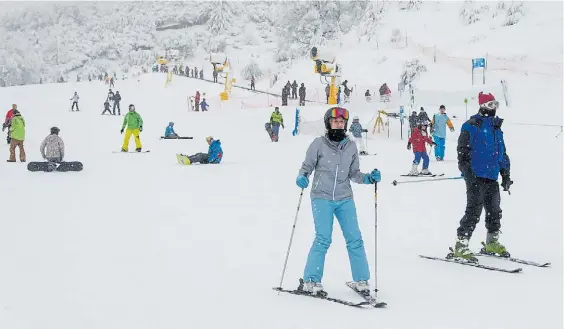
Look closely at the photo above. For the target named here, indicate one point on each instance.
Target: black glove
(282, 126)
(506, 181)
(364, 130)
(465, 169)
(408, 145)
(121, 131)
(141, 128)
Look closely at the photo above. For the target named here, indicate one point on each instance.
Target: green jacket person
(134, 124)
(276, 121)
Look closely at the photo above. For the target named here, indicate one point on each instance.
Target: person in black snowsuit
(252, 83)
(117, 99)
(285, 94)
(214, 76)
(423, 117)
(112, 82)
(294, 90)
(302, 93)
(347, 91)
(107, 107)
(413, 120)
(482, 157)
(202, 74)
(110, 96)
(327, 91)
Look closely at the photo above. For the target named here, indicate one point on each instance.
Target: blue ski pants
(418, 156)
(275, 128)
(440, 147)
(323, 213)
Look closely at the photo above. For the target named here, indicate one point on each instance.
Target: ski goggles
(339, 112)
(491, 105)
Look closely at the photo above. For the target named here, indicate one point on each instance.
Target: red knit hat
(484, 98)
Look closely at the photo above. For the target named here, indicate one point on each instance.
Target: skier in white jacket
(52, 148)
(74, 100)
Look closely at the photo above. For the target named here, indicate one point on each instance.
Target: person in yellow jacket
(276, 121)
(134, 124)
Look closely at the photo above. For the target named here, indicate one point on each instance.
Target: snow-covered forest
(47, 41)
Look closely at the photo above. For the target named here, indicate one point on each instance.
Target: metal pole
(291, 238)
(375, 238)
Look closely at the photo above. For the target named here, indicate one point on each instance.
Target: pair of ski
(147, 151)
(369, 300)
(488, 267)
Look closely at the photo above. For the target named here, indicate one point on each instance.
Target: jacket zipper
(335, 182)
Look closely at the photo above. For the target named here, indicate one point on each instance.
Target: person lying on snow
(214, 155)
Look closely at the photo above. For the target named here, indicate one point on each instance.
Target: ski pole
(395, 182)
(291, 238)
(375, 237)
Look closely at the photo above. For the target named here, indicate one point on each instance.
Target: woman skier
(335, 160)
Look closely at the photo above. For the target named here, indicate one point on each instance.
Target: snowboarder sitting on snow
(418, 140)
(52, 148)
(356, 129)
(214, 155)
(169, 132)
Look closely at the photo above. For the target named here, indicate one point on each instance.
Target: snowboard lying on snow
(178, 137)
(52, 166)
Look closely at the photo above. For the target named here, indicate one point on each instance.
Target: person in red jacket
(418, 140)
(197, 100)
(8, 120)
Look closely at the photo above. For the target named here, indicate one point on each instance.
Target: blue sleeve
(167, 132)
(504, 163)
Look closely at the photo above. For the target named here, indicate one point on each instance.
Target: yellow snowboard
(182, 159)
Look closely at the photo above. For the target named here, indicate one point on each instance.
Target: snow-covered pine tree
(371, 19)
(251, 70)
(221, 16)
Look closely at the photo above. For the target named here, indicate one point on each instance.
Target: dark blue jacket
(215, 153)
(481, 148)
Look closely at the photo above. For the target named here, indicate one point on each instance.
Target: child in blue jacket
(169, 132)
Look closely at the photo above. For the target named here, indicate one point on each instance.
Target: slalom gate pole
(375, 238)
(395, 182)
(291, 238)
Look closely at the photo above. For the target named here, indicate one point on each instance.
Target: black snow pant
(108, 110)
(73, 104)
(284, 100)
(199, 157)
(480, 193)
(294, 94)
(116, 104)
(302, 101)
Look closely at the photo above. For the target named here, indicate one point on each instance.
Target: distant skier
(252, 83)
(53, 148)
(204, 105)
(197, 100)
(418, 139)
(438, 128)
(107, 108)
(347, 91)
(276, 121)
(17, 135)
(302, 93)
(110, 96)
(117, 99)
(413, 120)
(422, 116)
(482, 158)
(134, 124)
(7, 120)
(294, 90)
(367, 96)
(214, 155)
(356, 130)
(334, 158)
(74, 99)
(327, 92)
(169, 132)
(112, 82)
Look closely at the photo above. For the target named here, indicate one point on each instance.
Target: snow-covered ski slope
(138, 241)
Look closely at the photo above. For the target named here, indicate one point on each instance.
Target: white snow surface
(138, 241)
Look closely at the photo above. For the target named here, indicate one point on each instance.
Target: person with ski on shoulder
(7, 121)
(17, 136)
(356, 130)
(53, 148)
(418, 139)
(438, 128)
(334, 158)
(214, 155)
(482, 157)
(134, 124)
